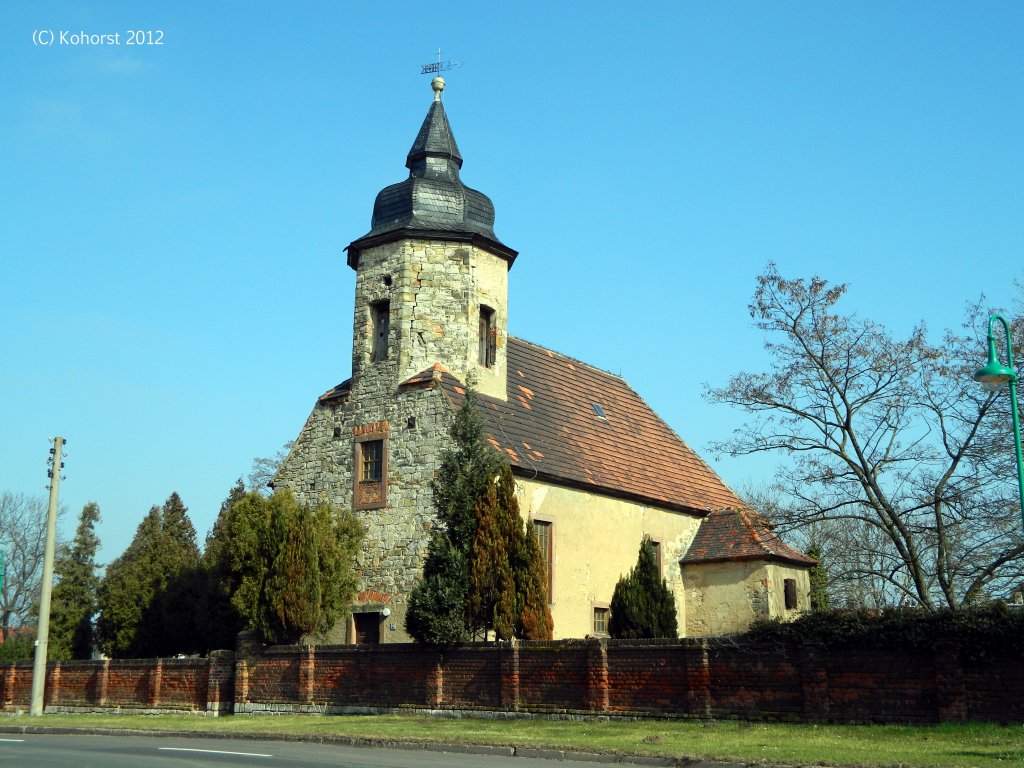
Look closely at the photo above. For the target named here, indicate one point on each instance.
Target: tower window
(488, 337)
(380, 313)
(371, 470)
(372, 461)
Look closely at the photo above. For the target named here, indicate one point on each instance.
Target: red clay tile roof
(340, 392)
(739, 534)
(549, 429)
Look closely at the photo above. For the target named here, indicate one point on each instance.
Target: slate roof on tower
(572, 424)
(433, 201)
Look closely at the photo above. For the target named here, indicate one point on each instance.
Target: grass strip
(973, 745)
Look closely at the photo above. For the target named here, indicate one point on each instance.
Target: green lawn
(850, 745)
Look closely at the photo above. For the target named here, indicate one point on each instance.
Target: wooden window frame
(370, 494)
(549, 526)
(659, 552)
(380, 319)
(594, 608)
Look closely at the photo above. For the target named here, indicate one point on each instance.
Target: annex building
(597, 470)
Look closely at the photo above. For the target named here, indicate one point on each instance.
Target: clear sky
(173, 216)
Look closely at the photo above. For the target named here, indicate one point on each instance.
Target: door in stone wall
(367, 628)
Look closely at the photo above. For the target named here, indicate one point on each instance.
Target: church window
(789, 586)
(542, 533)
(380, 313)
(601, 614)
(656, 546)
(488, 337)
(370, 474)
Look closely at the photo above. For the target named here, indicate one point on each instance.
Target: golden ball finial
(438, 85)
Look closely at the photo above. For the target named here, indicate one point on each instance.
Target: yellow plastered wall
(595, 541)
(777, 573)
(724, 598)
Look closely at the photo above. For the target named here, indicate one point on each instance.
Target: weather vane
(439, 66)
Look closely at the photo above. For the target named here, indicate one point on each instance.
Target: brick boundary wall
(203, 686)
(687, 678)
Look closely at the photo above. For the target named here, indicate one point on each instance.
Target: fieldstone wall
(434, 290)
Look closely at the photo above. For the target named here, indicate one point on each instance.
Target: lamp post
(993, 376)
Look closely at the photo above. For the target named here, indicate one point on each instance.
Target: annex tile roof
(739, 534)
(573, 424)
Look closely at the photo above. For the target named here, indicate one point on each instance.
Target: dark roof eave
(532, 474)
(481, 241)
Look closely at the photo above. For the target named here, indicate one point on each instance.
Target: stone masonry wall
(320, 468)
(435, 290)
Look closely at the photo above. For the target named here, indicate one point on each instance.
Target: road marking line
(211, 751)
(12, 740)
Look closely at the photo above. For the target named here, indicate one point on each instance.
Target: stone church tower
(431, 298)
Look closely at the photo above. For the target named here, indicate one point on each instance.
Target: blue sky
(174, 216)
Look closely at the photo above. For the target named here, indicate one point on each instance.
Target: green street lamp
(993, 376)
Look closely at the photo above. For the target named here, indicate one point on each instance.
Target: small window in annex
(542, 533)
(371, 490)
(789, 586)
(600, 621)
(380, 314)
(488, 342)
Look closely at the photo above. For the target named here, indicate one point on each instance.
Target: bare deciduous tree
(895, 455)
(23, 541)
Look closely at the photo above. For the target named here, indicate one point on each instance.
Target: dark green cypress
(642, 605)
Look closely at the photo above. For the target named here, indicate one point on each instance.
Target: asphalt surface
(75, 748)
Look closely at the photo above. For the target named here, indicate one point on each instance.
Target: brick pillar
(156, 679)
(241, 683)
(52, 693)
(435, 683)
(10, 678)
(814, 682)
(219, 681)
(102, 679)
(950, 694)
(597, 675)
(306, 673)
(510, 676)
(698, 678)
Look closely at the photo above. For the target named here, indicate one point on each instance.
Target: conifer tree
(642, 604)
(74, 596)
(818, 578)
(494, 600)
(439, 611)
(146, 608)
(281, 568)
(219, 621)
(535, 617)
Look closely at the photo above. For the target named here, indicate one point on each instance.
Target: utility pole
(43, 631)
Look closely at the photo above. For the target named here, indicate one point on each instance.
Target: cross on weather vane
(439, 66)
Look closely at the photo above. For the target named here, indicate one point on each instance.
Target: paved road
(79, 751)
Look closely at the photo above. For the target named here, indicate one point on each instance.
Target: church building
(596, 469)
